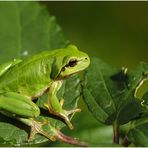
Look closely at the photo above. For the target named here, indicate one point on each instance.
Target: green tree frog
(21, 81)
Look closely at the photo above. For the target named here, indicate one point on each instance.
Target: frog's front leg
(55, 106)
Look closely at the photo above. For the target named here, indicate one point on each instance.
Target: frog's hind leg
(18, 105)
(23, 109)
(55, 134)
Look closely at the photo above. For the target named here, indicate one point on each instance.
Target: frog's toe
(67, 121)
(73, 111)
(62, 102)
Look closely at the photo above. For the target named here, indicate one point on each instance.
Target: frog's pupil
(72, 63)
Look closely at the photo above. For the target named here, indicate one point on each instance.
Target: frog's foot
(64, 114)
(54, 133)
(37, 128)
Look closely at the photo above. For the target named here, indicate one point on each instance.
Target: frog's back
(29, 76)
(33, 75)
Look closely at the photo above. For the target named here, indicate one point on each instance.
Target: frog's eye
(72, 63)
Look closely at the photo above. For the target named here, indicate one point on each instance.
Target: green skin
(21, 81)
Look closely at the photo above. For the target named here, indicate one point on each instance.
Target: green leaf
(110, 92)
(96, 92)
(27, 28)
(138, 134)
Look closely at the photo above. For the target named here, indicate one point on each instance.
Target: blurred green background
(116, 32)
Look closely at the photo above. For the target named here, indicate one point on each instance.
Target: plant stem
(125, 142)
(60, 136)
(116, 133)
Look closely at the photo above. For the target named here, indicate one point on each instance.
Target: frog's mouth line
(67, 76)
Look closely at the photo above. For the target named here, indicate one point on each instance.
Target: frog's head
(73, 62)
